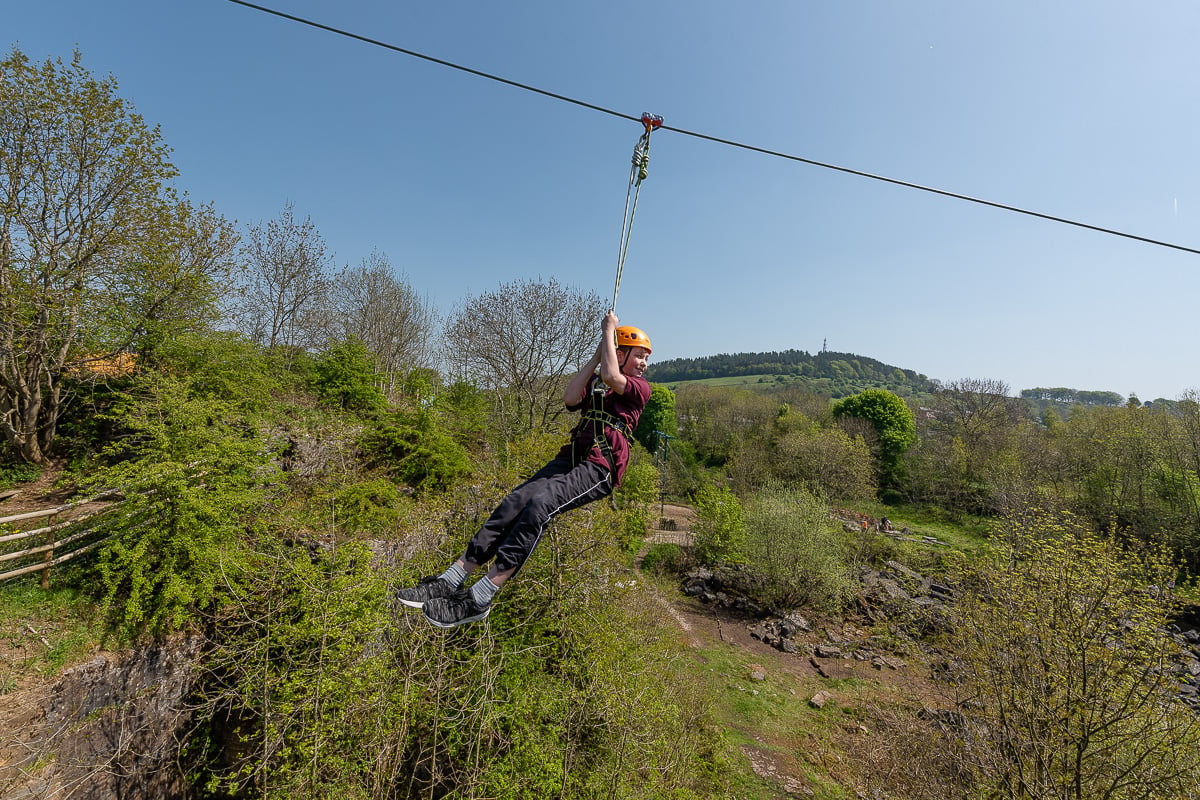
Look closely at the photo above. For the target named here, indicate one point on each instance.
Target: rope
(640, 163)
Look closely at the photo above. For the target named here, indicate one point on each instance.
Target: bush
(194, 481)
(795, 551)
(365, 508)
(639, 490)
(13, 473)
(345, 376)
(665, 559)
(414, 449)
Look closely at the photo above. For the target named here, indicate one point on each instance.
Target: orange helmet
(629, 336)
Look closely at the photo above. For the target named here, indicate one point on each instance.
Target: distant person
(588, 468)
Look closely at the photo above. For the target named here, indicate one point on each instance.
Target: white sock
(482, 592)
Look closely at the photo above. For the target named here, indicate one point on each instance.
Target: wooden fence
(61, 540)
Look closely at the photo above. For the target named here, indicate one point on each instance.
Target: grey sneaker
(457, 609)
(427, 589)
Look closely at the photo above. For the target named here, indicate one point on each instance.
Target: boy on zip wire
(587, 468)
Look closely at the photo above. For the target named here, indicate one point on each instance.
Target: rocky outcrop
(107, 728)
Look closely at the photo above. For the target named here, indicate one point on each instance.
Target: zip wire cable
(718, 140)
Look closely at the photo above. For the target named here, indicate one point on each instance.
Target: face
(634, 360)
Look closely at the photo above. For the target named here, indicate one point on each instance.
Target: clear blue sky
(1085, 109)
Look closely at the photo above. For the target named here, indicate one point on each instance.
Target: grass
(42, 631)
(770, 716)
(968, 535)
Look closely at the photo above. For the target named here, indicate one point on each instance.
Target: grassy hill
(829, 373)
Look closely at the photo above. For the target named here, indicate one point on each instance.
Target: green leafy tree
(718, 418)
(194, 478)
(97, 255)
(657, 418)
(720, 531)
(893, 423)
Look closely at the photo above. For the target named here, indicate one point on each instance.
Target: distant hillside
(835, 374)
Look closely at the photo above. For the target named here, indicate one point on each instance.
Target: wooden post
(49, 557)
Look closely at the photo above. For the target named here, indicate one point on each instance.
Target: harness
(595, 413)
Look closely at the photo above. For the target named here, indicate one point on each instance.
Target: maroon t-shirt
(627, 407)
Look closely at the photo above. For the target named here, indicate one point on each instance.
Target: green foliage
(640, 484)
(193, 481)
(658, 418)
(718, 419)
(795, 551)
(637, 494)
(720, 532)
(226, 367)
(572, 688)
(365, 508)
(795, 450)
(893, 422)
(1067, 667)
(463, 410)
(13, 473)
(416, 450)
(664, 558)
(100, 255)
(344, 376)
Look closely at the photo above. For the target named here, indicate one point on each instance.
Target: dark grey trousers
(516, 526)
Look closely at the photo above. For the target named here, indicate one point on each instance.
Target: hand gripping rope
(637, 174)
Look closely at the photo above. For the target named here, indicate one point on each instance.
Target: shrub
(1067, 673)
(366, 507)
(414, 449)
(194, 481)
(345, 376)
(664, 559)
(795, 551)
(17, 472)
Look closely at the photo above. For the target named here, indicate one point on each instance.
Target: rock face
(106, 728)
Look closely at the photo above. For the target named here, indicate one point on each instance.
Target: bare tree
(521, 341)
(281, 303)
(96, 254)
(371, 303)
(970, 453)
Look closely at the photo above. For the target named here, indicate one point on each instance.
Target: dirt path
(674, 525)
(780, 756)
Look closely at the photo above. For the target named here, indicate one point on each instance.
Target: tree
(716, 419)
(658, 417)
(893, 422)
(281, 303)
(521, 341)
(97, 255)
(370, 303)
(1066, 672)
(968, 455)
